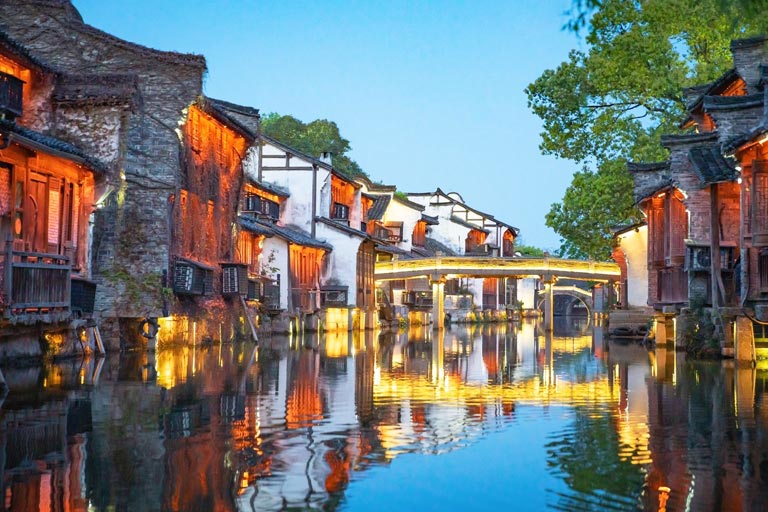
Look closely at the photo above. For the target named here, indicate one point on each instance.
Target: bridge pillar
(549, 305)
(438, 301)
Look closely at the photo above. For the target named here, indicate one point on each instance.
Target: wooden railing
(271, 298)
(304, 299)
(35, 282)
(266, 291)
(673, 285)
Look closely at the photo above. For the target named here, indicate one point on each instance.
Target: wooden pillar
(714, 249)
(549, 307)
(438, 301)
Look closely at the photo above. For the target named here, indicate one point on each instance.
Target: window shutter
(760, 201)
(54, 210)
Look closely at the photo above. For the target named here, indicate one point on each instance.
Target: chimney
(748, 54)
(326, 157)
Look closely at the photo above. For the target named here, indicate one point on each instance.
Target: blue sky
(430, 94)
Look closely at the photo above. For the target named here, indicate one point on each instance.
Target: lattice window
(762, 265)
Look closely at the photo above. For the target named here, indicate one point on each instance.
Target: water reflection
(485, 414)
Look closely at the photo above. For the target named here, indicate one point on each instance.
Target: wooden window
(395, 231)
(340, 211)
(676, 228)
(760, 202)
(474, 239)
(366, 259)
(54, 213)
(252, 203)
(762, 266)
(489, 292)
(656, 230)
(508, 243)
(305, 276)
(6, 200)
(419, 236)
(747, 198)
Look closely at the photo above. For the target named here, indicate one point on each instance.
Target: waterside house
(706, 210)
(47, 194)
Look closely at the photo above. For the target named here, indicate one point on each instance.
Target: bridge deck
(488, 266)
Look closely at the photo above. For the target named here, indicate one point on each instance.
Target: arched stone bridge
(438, 268)
(576, 293)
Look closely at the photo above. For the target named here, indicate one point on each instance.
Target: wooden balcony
(36, 286)
(10, 95)
(266, 291)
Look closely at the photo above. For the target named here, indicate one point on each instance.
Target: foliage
(401, 195)
(528, 251)
(593, 204)
(699, 331)
(313, 139)
(611, 103)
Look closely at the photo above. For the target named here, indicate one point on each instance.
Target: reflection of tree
(586, 454)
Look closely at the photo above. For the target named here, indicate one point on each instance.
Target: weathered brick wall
(697, 199)
(729, 206)
(211, 179)
(734, 121)
(747, 55)
(133, 231)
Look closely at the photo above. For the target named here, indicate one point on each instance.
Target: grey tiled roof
(380, 203)
(466, 224)
(709, 164)
(292, 235)
(432, 221)
(254, 226)
(712, 87)
(688, 138)
(270, 187)
(246, 118)
(647, 167)
(748, 41)
(433, 246)
(298, 237)
(392, 249)
(22, 134)
(20, 51)
(343, 227)
(744, 138)
(732, 102)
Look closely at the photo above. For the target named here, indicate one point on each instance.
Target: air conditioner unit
(192, 279)
(183, 277)
(234, 279)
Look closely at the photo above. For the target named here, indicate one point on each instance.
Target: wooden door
(37, 202)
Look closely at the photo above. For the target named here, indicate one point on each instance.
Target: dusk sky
(430, 94)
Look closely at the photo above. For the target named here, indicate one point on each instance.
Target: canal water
(483, 418)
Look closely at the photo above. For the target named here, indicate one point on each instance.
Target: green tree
(611, 103)
(313, 138)
(528, 251)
